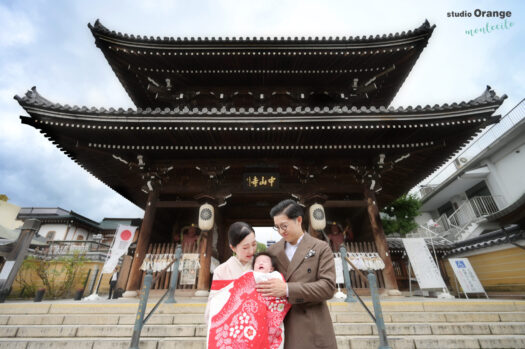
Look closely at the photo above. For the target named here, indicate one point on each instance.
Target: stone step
(344, 342)
(198, 318)
(388, 306)
(434, 306)
(167, 331)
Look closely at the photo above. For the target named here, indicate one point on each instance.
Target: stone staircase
(411, 323)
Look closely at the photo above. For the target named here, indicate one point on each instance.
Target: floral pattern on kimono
(246, 319)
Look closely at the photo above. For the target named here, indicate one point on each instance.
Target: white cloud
(17, 28)
(47, 44)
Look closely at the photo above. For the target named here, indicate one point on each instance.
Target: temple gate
(240, 124)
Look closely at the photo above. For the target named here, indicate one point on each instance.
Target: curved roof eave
(32, 101)
(423, 32)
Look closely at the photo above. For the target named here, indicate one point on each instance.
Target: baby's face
(263, 264)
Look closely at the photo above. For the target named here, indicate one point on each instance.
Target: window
(479, 189)
(446, 209)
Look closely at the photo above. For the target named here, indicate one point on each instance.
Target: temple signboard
(261, 181)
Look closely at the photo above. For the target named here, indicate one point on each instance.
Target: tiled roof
(497, 237)
(395, 244)
(113, 223)
(33, 99)
(98, 29)
(508, 235)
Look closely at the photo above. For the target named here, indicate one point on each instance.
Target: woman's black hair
(238, 231)
(287, 207)
(264, 253)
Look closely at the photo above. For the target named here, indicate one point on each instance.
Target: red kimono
(241, 318)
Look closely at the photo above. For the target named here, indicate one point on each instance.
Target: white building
(68, 232)
(59, 224)
(8, 214)
(484, 183)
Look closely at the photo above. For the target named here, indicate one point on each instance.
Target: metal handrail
(430, 234)
(372, 283)
(140, 320)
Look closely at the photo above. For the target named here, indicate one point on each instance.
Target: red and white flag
(122, 240)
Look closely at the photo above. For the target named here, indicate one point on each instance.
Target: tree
(260, 247)
(3, 197)
(58, 275)
(399, 216)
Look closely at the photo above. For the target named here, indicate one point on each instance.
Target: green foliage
(25, 280)
(3, 197)
(399, 216)
(260, 247)
(58, 275)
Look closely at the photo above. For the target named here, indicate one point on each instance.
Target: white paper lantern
(317, 217)
(206, 217)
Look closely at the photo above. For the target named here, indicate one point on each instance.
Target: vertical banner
(466, 275)
(189, 267)
(121, 242)
(425, 268)
(339, 277)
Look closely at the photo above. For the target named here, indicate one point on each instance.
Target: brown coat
(311, 281)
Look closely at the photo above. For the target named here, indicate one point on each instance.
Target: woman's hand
(272, 288)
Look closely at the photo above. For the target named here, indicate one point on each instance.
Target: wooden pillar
(380, 240)
(146, 229)
(205, 260)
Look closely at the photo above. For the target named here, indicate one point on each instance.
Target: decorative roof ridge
(99, 28)
(71, 216)
(33, 99)
(501, 236)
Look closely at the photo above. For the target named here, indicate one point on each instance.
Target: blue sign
(460, 264)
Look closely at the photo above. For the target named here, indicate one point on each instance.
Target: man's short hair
(288, 207)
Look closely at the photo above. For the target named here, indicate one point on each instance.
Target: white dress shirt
(290, 249)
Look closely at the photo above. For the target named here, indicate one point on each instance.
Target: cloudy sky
(47, 44)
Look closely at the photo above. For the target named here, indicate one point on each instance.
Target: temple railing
(351, 297)
(159, 254)
(358, 281)
(149, 280)
(91, 250)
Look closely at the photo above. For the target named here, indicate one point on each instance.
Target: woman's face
(245, 249)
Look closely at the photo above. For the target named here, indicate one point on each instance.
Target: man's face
(289, 229)
(263, 264)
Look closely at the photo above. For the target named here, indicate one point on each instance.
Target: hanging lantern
(317, 217)
(206, 217)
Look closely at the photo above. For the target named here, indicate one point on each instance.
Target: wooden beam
(143, 241)
(345, 203)
(178, 204)
(205, 260)
(380, 240)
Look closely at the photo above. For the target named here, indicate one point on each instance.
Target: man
(113, 282)
(308, 268)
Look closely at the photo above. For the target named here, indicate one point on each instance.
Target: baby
(245, 319)
(263, 262)
(264, 265)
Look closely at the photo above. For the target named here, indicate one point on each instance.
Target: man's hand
(272, 287)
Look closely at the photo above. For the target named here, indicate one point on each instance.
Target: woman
(236, 314)
(241, 237)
